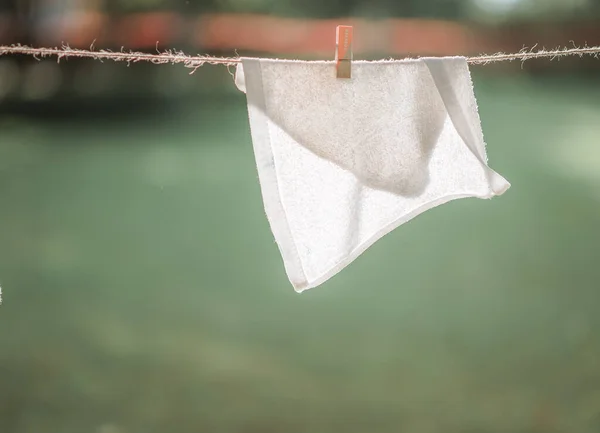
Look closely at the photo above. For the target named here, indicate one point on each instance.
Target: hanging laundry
(342, 162)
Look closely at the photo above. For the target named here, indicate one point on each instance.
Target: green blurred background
(143, 291)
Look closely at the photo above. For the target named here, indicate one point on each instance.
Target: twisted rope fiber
(194, 62)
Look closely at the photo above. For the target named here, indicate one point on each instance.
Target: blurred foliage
(452, 9)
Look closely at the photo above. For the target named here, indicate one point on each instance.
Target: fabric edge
(239, 79)
(267, 173)
(332, 62)
(462, 119)
(360, 249)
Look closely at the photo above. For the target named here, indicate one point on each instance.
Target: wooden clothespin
(343, 51)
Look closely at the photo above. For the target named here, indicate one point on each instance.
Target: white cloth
(342, 162)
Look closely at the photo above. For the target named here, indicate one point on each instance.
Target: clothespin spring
(343, 51)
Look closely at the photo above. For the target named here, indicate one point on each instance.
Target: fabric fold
(341, 163)
(463, 114)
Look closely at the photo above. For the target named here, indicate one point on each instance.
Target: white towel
(342, 162)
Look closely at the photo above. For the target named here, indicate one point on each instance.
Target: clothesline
(194, 62)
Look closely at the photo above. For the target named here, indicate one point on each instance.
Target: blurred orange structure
(315, 37)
